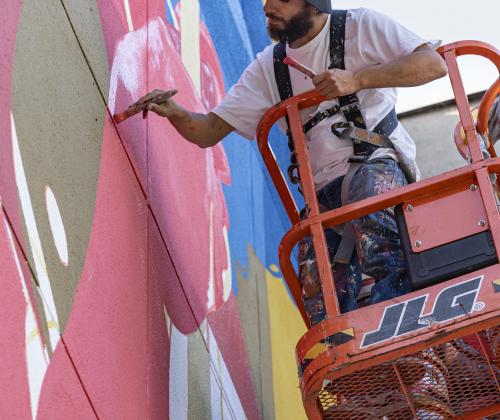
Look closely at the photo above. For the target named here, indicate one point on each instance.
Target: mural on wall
(139, 270)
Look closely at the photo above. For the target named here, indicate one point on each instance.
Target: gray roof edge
(472, 97)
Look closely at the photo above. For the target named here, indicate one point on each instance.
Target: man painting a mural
(359, 57)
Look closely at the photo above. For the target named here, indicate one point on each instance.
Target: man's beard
(296, 28)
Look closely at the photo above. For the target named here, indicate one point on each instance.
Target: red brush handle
(300, 67)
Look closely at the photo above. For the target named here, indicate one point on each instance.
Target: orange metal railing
(314, 225)
(338, 371)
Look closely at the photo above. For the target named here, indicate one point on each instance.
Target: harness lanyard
(349, 105)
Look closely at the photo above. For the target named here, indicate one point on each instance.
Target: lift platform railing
(319, 363)
(315, 223)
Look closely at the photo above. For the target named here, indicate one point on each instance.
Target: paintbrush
(135, 109)
(300, 67)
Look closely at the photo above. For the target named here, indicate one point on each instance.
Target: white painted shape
(130, 24)
(158, 37)
(34, 240)
(172, 13)
(56, 226)
(227, 275)
(37, 359)
(241, 24)
(226, 402)
(128, 65)
(168, 321)
(178, 375)
(216, 398)
(190, 40)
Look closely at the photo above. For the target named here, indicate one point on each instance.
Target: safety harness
(364, 142)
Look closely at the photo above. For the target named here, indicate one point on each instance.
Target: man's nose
(269, 6)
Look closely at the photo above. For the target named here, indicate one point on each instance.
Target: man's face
(288, 20)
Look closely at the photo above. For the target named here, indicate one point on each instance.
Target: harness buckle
(351, 108)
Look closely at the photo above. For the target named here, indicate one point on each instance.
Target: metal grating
(449, 380)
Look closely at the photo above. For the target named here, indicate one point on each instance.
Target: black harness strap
(282, 76)
(348, 104)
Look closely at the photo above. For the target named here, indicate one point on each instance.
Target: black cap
(324, 6)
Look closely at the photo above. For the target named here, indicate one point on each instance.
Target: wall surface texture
(139, 272)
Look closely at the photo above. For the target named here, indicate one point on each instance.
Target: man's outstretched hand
(156, 101)
(334, 83)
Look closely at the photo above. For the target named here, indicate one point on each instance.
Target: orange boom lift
(431, 354)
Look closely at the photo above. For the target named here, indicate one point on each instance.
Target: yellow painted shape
(318, 349)
(52, 324)
(497, 282)
(190, 40)
(30, 337)
(286, 328)
(350, 332)
(274, 269)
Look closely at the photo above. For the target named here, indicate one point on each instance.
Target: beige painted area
(84, 16)
(199, 377)
(254, 315)
(287, 327)
(190, 40)
(59, 116)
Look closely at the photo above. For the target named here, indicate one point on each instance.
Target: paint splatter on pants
(378, 253)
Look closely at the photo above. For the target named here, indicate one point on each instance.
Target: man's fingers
(318, 79)
(148, 97)
(156, 108)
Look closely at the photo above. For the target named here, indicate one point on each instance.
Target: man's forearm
(418, 68)
(204, 130)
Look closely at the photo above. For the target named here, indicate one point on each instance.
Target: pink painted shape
(8, 190)
(185, 182)
(114, 24)
(116, 34)
(14, 389)
(63, 396)
(231, 343)
(164, 288)
(106, 332)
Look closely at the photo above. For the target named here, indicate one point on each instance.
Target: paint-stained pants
(378, 253)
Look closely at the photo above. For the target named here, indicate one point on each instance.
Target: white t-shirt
(371, 38)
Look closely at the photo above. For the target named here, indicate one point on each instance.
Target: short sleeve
(382, 39)
(247, 101)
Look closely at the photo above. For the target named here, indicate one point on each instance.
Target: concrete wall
(139, 272)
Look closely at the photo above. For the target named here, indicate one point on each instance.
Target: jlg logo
(405, 317)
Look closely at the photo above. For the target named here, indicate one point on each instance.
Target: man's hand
(157, 101)
(334, 83)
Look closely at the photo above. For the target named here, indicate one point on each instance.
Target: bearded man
(359, 58)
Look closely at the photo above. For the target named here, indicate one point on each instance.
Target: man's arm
(422, 66)
(204, 130)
